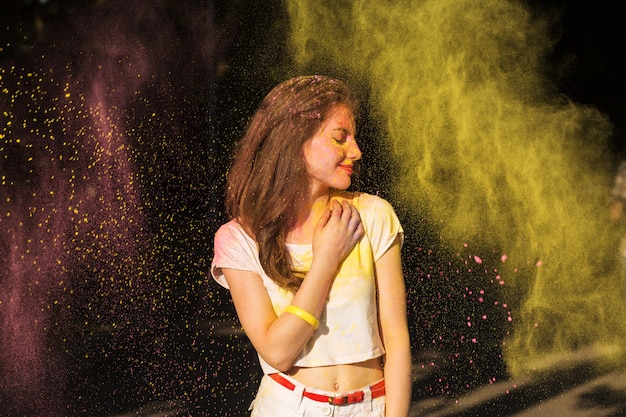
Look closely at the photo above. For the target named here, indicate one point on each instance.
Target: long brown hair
(268, 175)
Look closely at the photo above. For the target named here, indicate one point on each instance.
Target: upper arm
(391, 296)
(394, 330)
(252, 303)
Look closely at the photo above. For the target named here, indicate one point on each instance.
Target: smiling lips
(347, 168)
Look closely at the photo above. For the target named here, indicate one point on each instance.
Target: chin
(342, 187)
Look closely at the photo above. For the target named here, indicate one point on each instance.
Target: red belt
(378, 390)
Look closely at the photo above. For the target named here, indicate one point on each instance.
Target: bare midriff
(339, 378)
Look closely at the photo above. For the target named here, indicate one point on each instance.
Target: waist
(365, 394)
(339, 378)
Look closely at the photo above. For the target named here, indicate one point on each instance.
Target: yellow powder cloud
(490, 150)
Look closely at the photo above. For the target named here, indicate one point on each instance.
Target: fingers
(338, 231)
(336, 209)
(335, 212)
(345, 213)
(351, 216)
(351, 219)
(324, 219)
(359, 231)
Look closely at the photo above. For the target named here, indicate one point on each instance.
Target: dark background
(180, 348)
(588, 59)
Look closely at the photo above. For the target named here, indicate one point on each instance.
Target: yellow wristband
(304, 315)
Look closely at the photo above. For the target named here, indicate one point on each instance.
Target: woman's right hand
(337, 232)
(279, 340)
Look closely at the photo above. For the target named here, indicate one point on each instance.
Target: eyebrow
(343, 130)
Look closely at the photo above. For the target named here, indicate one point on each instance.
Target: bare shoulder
(355, 198)
(363, 201)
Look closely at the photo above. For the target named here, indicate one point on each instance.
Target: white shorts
(275, 400)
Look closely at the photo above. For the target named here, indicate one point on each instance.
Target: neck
(308, 214)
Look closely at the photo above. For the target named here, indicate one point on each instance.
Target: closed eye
(341, 135)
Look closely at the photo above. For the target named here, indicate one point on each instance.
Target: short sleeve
(381, 223)
(234, 249)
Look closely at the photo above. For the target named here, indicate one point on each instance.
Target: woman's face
(330, 154)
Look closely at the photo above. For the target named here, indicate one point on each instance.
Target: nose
(353, 152)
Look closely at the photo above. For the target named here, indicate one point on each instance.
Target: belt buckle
(352, 398)
(339, 400)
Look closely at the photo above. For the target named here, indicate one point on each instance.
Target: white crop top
(348, 331)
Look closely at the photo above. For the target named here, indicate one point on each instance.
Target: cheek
(337, 152)
(325, 155)
(329, 155)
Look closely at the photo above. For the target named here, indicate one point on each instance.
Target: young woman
(314, 271)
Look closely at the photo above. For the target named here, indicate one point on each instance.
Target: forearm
(313, 292)
(280, 339)
(288, 334)
(398, 378)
